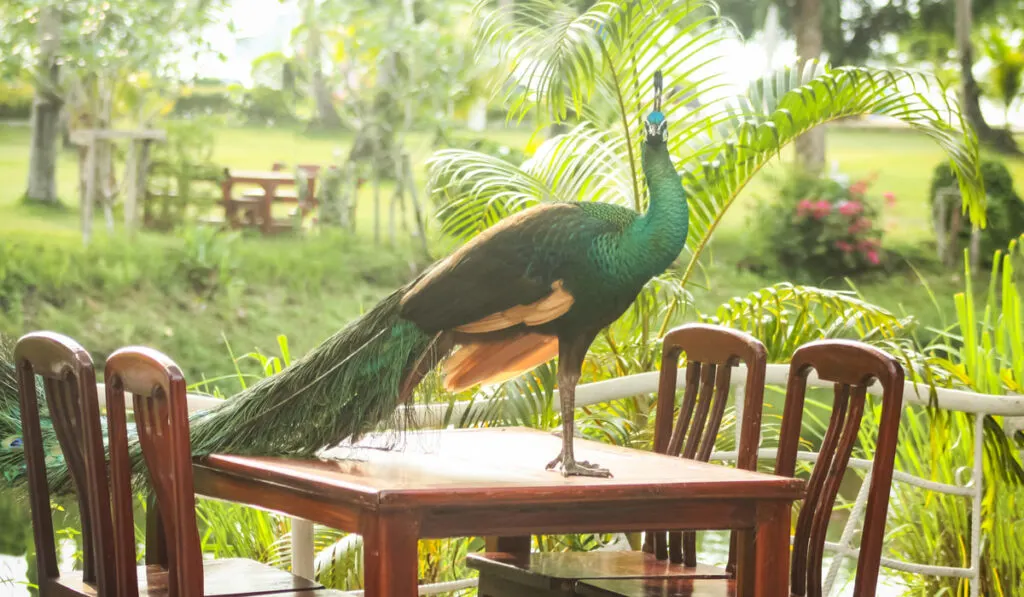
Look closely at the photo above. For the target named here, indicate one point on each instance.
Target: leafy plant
(179, 169)
(1006, 77)
(208, 260)
(820, 225)
(984, 353)
(1004, 207)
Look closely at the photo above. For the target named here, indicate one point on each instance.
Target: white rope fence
(434, 415)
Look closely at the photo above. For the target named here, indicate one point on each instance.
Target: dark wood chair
(175, 563)
(712, 352)
(69, 386)
(851, 367)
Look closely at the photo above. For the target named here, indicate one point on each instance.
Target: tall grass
(984, 352)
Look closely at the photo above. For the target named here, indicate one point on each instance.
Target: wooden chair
(851, 367)
(69, 385)
(711, 352)
(176, 566)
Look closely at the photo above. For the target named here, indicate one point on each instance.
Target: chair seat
(233, 577)
(553, 569)
(657, 587)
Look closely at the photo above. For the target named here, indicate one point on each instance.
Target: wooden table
(492, 482)
(267, 180)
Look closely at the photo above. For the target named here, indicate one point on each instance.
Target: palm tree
(600, 64)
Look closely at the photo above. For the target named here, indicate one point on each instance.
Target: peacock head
(656, 127)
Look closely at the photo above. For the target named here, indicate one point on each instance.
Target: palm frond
(785, 316)
(558, 59)
(477, 189)
(783, 105)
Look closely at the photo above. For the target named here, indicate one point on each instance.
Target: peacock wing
(511, 278)
(507, 275)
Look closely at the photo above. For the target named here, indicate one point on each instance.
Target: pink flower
(821, 208)
(851, 208)
(843, 246)
(873, 257)
(890, 198)
(804, 206)
(862, 224)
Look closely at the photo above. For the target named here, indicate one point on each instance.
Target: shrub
(177, 173)
(203, 101)
(267, 106)
(1004, 208)
(16, 101)
(822, 226)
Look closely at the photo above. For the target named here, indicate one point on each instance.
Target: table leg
(390, 555)
(269, 189)
(746, 562)
(229, 206)
(771, 571)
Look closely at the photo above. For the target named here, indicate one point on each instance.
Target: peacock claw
(578, 469)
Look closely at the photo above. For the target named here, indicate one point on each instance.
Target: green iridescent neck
(663, 229)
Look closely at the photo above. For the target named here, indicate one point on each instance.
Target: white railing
(647, 383)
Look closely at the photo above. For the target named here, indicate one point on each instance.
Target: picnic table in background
(254, 208)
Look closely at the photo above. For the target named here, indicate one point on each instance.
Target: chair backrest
(161, 420)
(711, 354)
(69, 385)
(852, 367)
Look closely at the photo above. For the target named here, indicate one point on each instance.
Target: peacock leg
(568, 377)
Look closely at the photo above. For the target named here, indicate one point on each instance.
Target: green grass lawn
(306, 288)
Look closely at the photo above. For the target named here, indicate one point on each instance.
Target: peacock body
(538, 285)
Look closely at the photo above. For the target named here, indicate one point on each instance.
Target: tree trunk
(970, 93)
(810, 147)
(326, 115)
(46, 108)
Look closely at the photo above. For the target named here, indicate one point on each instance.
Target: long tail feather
(345, 387)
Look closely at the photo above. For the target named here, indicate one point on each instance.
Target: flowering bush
(822, 226)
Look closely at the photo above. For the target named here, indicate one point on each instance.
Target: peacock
(539, 284)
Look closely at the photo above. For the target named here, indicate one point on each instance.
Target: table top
(257, 176)
(455, 468)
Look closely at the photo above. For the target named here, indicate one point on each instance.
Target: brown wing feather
(493, 362)
(536, 313)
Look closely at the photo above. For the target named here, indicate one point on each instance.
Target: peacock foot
(578, 469)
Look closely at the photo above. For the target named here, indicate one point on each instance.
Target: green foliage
(15, 100)
(267, 106)
(1004, 207)
(181, 294)
(1006, 77)
(984, 353)
(203, 100)
(926, 527)
(208, 260)
(183, 177)
(784, 317)
(819, 226)
(563, 60)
